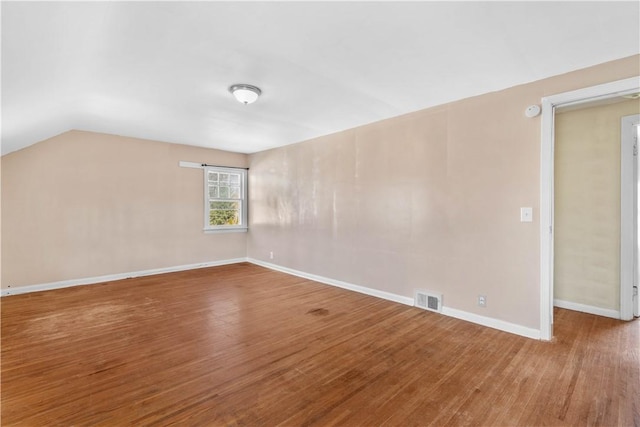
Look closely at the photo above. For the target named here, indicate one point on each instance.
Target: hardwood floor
(243, 345)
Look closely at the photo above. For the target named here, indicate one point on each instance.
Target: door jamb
(628, 232)
(549, 105)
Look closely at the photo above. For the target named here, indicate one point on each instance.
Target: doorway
(600, 93)
(594, 207)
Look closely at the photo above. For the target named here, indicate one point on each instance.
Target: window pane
(234, 192)
(224, 217)
(213, 176)
(224, 178)
(224, 192)
(234, 179)
(234, 206)
(213, 192)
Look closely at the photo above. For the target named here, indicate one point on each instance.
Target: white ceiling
(161, 70)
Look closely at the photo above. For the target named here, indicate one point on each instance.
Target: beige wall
(83, 204)
(587, 204)
(426, 200)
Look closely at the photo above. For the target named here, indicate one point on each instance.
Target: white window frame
(243, 226)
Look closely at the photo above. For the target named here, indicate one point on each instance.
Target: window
(225, 203)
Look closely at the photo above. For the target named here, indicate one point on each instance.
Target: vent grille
(428, 301)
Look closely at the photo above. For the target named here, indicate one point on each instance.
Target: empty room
(319, 213)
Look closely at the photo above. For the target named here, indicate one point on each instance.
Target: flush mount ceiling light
(246, 94)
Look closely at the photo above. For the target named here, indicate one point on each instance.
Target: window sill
(225, 230)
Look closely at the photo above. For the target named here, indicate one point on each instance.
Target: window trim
(243, 227)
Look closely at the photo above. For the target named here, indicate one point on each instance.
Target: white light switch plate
(526, 214)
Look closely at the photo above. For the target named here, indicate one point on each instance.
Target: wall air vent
(428, 300)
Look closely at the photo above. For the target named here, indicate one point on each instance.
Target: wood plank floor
(243, 345)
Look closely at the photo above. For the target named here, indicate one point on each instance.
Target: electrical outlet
(482, 300)
(271, 255)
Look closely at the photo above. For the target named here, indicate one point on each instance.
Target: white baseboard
(112, 277)
(447, 311)
(491, 322)
(606, 312)
(338, 283)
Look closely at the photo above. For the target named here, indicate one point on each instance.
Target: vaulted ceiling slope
(161, 70)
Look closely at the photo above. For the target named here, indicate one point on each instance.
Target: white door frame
(628, 214)
(549, 105)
